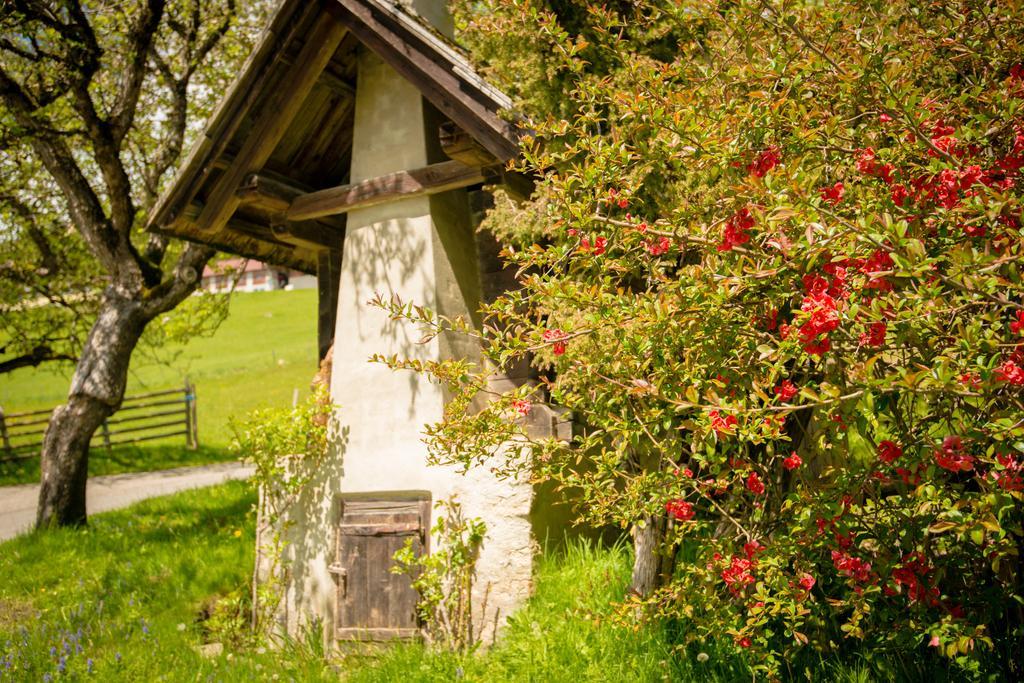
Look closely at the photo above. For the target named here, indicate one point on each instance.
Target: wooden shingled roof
(269, 177)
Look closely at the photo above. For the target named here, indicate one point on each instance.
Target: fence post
(3, 433)
(105, 430)
(191, 429)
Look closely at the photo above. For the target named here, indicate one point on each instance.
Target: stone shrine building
(355, 144)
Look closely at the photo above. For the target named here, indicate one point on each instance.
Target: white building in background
(252, 276)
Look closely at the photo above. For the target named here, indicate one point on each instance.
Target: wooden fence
(142, 417)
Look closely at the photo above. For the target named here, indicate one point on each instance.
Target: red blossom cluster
(1017, 325)
(615, 199)
(557, 339)
(786, 390)
(736, 228)
(869, 165)
(659, 246)
(911, 575)
(807, 581)
(1010, 372)
(765, 161)
(738, 574)
(833, 194)
(888, 451)
(521, 407)
(951, 455)
(679, 509)
(596, 248)
(754, 484)
(793, 461)
(822, 318)
(723, 424)
(875, 335)
(853, 567)
(1011, 477)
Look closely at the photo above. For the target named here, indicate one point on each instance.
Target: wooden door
(374, 604)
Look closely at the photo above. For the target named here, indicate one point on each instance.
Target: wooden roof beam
(272, 123)
(428, 180)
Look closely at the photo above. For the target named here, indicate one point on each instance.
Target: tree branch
(141, 43)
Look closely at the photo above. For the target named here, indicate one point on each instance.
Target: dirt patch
(14, 612)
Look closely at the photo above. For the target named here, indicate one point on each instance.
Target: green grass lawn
(262, 353)
(135, 595)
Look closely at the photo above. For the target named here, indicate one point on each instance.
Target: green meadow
(260, 355)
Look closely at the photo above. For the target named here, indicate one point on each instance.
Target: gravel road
(18, 503)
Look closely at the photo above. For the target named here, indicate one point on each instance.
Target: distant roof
(232, 265)
(286, 123)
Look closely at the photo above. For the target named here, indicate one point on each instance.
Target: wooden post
(328, 280)
(105, 431)
(191, 429)
(3, 434)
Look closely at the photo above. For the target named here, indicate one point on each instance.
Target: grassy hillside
(262, 353)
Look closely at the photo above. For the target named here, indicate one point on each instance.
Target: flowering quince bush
(773, 269)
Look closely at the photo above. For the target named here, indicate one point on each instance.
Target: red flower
(723, 425)
(557, 339)
(884, 118)
(765, 161)
(659, 246)
(899, 194)
(744, 642)
(853, 567)
(752, 548)
(888, 451)
(738, 574)
(971, 380)
(878, 262)
(679, 509)
(875, 336)
(807, 582)
(786, 390)
(522, 407)
(736, 228)
(866, 160)
(754, 484)
(951, 456)
(597, 248)
(823, 318)
(685, 472)
(1010, 478)
(833, 195)
(1017, 326)
(793, 461)
(1011, 373)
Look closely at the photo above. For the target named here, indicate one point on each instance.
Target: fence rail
(142, 417)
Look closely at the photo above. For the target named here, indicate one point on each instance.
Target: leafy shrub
(777, 279)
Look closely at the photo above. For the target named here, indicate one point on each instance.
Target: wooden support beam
(273, 121)
(267, 194)
(328, 280)
(309, 235)
(459, 145)
(433, 179)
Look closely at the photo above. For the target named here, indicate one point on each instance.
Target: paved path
(18, 503)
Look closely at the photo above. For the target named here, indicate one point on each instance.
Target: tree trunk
(97, 389)
(653, 563)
